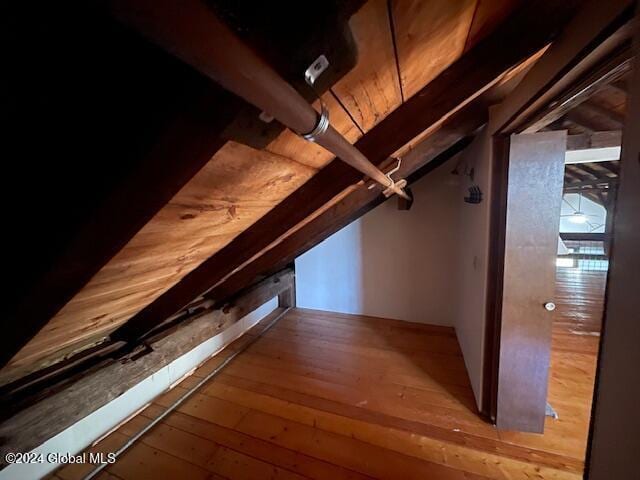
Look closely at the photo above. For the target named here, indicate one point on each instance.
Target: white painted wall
(391, 263)
(94, 426)
(427, 265)
(473, 254)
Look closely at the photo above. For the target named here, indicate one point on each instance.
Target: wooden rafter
(612, 167)
(585, 141)
(450, 139)
(574, 186)
(596, 174)
(611, 115)
(610, 69)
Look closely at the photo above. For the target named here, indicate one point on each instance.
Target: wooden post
(287, 299)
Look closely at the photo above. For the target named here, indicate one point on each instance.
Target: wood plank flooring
(325, 395)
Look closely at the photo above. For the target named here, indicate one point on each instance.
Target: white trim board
(93, 427)
(605, 154)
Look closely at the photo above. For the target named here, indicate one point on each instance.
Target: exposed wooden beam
(584, 141)
(592, 52)
(611, 68)
(569, 187)
(185, 147)
(596, 174)
(579, 237)
(465, 79)
(449, 140)
(590, 193)
(612, 166)
(29, 421)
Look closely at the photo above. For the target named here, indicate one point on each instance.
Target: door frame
(592, 51)
(613, 446)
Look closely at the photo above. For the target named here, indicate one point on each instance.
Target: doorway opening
(585, 224)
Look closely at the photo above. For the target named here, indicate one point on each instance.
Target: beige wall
(391, 263)
(473, 251)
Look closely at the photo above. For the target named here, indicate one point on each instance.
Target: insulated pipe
(191, 31)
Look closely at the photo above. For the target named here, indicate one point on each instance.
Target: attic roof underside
(401, 49)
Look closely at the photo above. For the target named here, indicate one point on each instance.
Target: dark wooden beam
(581, 237)
(590, 183)
(449, 140)
(611, 68)
(584, 141)
(593, 194)
(574, 186)
(465, 79)
(612, 166)
(28, 421)
(596, 174)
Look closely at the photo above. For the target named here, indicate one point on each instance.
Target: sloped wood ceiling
(402, 45)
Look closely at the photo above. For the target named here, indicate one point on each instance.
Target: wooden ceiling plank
(187, 145)
(458, 84)
(236, 187)
(291, 145)
(488, 15)
(371, 90)
(573, 186)
(430, 36)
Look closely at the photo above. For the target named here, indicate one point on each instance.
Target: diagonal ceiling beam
(445, 143)
(477, 70)
(193, 137)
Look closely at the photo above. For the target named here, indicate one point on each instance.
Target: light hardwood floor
(325, 395)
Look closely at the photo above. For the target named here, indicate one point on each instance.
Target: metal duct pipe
(192, 32)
